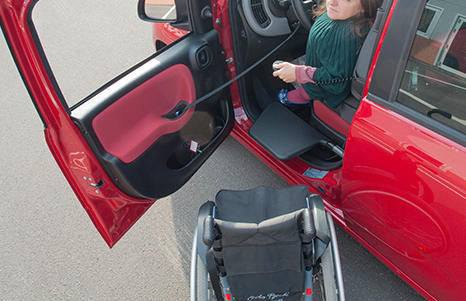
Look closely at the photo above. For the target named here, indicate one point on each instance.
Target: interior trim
(278, 25)
(331, 118)
(132, 124)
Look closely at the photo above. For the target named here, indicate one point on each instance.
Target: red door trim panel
(129, 126)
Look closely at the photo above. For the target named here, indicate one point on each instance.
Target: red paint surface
(403, 188)
(166, 33)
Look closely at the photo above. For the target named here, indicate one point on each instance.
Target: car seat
(335, 122)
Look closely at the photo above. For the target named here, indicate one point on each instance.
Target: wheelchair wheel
(328, 279)
(204, 291)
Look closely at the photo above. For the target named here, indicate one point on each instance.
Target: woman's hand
(285, 72)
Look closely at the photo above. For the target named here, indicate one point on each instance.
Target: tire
(204, 291)
(329, 286)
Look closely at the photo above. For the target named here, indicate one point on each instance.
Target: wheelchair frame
(325, 246)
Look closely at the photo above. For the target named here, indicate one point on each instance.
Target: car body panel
(72, 154)
(394, 172)
(164, 34)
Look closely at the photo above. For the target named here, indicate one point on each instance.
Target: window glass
(89, 42)
(434, 82)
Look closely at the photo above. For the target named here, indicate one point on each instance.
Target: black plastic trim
(47, 67)
(283, 134)
(197, 21)
(207, 209)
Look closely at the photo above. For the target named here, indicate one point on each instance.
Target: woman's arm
(304, 74)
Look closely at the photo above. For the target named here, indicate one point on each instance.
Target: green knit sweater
(332, 48)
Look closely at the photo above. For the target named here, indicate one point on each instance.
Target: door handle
(437, 111)
(177, 111)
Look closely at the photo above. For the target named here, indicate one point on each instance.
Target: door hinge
(98, 185)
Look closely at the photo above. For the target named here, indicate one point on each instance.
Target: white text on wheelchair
(270, 296)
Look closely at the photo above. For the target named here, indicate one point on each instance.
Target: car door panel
(147, 153)
(403, 184)
(391, 185)
(122, 147)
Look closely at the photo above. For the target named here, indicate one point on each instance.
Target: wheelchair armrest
(208, 233)
(205, 210)
(309, 228)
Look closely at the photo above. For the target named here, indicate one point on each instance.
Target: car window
(95, 49)
(434, 80)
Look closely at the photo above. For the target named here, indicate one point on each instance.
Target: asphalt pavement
(49, 248)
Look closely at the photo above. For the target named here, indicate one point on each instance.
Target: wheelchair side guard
(316, 204)
(207, 209)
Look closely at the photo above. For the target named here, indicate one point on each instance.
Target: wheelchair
(265, 244)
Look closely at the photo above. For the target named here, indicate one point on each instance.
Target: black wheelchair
(265, 244)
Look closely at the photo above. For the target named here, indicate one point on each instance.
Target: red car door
(404, 171)
(135, 139)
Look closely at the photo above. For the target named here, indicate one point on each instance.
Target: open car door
(135, 139)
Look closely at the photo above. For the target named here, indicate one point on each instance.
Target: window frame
(438, 11)
(386, 81)
(458, 22)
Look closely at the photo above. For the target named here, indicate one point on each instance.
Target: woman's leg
(294, 98)
(298, 96)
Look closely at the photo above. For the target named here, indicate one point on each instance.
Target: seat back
(261, 246)
(265, 258)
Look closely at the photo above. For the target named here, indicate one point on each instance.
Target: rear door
(404, 174)
(131, 141)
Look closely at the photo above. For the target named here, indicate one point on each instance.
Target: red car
(164, 34)
(390, 163)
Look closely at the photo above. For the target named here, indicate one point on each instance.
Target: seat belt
(180, 112)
